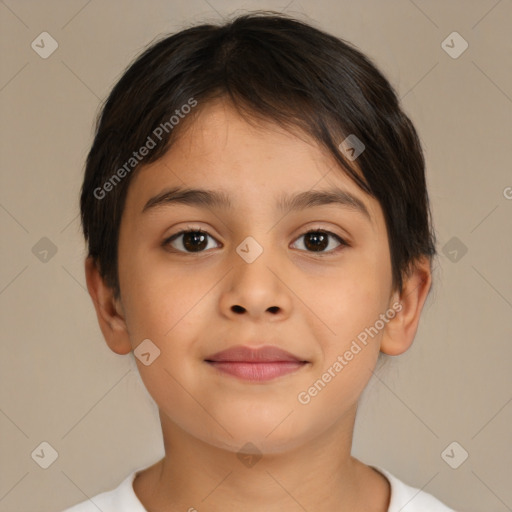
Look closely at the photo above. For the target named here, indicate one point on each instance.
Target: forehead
(248, 159)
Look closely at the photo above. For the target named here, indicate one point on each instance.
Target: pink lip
(260, 364)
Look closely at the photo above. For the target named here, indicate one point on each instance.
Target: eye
(318, 240)
(192, 240)
(196, 240)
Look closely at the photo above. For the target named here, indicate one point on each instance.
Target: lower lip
(257, 371)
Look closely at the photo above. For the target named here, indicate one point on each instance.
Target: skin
(290, 296)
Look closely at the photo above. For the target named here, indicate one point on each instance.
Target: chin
(255, 437)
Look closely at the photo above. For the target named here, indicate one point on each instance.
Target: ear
(108, 309)
(400, 331)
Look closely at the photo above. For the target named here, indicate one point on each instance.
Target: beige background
(59, 381)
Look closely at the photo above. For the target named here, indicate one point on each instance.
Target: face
(312, 280)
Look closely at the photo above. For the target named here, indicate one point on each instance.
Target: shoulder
(120, 499)
(410, 499)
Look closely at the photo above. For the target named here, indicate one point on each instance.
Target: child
(258, 232)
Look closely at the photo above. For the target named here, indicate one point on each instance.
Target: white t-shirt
(124, 499)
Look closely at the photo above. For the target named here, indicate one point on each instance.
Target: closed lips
(255, 365)
(242, 354)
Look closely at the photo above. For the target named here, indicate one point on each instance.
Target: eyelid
(344, 237)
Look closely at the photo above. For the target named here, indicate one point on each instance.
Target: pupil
(318, 241)
(190, 241)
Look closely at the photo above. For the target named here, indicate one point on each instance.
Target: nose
(257, 290)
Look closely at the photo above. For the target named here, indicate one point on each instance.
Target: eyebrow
(221, 200)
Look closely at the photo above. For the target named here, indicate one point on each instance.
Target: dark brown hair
(271, 67)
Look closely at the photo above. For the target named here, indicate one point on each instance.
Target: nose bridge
(255, 283)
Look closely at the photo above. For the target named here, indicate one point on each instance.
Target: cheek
(165, 314)
(335, 393)
(351, 309)
(157, 295)
(353, 301)
(349, 348)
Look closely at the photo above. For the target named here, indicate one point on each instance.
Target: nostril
(240, 309)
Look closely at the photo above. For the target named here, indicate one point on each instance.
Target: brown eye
(319, 241)
(189, 241)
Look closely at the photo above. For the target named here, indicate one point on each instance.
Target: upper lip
(243, 354)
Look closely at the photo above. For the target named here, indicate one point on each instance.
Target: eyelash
(341, 241)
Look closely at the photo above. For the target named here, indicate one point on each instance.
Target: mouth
(258, 365)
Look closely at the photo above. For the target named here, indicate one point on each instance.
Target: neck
(312, 476)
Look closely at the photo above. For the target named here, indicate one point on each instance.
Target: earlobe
(108, 310)
(401, 330)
